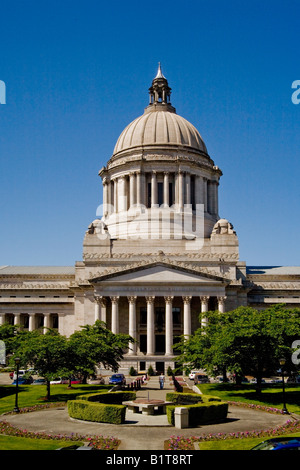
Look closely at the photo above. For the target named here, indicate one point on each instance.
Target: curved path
(141, 432)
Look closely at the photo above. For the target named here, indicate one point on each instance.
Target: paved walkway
(142, 432)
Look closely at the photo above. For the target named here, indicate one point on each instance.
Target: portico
(152, 310)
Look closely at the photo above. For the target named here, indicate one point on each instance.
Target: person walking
(161, 381)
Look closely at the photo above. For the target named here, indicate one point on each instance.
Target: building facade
(160, 253)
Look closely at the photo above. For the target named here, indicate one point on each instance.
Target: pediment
(160, 273)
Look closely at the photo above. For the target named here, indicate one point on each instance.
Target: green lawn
(236, 444)
(270, 395)
(25, 443)
(31, 395)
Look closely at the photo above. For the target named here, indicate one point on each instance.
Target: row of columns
(100, 314)
(118, 196)
(31, 319)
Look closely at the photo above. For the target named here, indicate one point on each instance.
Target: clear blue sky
(77, 72)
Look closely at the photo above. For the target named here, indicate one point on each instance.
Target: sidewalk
(142, 432)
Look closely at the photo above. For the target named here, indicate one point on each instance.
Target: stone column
(132, 323)
(103, 309)
(150, 325)
(169, 326)
(216, 191)
(2, 318)
(17, 318)
(180, 190)
(188, 188)
(46, 322)
(204, 308)
(221, 304)
(210, 202)
(166, 189)
(139, 189)
(115, 314)
(97, 308)
(115, 204)
(187, 324)
(153, 189)
(198, 190)
(105, 197)
(31, 321)
(122, 196)
(132, 189)
(204, 188)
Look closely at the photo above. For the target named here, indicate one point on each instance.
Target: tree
(243, 341)
(95, 344)
(46, 353)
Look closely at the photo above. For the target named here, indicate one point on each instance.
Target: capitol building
(158, 254)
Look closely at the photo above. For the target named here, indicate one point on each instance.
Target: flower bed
(99, 442)
(268, 409)
(187, 443)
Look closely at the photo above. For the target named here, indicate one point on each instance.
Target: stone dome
(160, 125)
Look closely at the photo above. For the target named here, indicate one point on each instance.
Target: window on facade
(55, 321)
(176, 315)
(160, 193)
(143, 343)
(149, 195)
(160, 318)
(143, 316)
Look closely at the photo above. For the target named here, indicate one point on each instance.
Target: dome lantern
(160, 92)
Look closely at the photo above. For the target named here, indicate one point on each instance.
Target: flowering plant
(184, 443)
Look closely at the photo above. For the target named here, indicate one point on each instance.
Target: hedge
(103, 407)
(108, 397)
(190, 398)
(202, 409)
(98, 412)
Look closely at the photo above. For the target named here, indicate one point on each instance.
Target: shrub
(102, 407)
(98, 412)
(150, 370)
(202, 409)
(132, 371)
(108, 397)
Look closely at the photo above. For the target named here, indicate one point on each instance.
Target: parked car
(39, 382)
(22, 381)
(192, 374)
(117, 379)
(75, 380)
(20, 374)
(59, 380)
(201, 379)
(279, 443)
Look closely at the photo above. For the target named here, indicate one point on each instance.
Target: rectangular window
(160, 193)
(176, 315)
(143, 316)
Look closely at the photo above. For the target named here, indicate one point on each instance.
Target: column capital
(222, 299)
(169, 299)
(186, 299)
(131, 298)
(150, 299)
(115, 299)
(204, 298)
(100, 300)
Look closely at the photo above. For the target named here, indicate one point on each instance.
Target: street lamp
(282, 363)
(16, 409)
